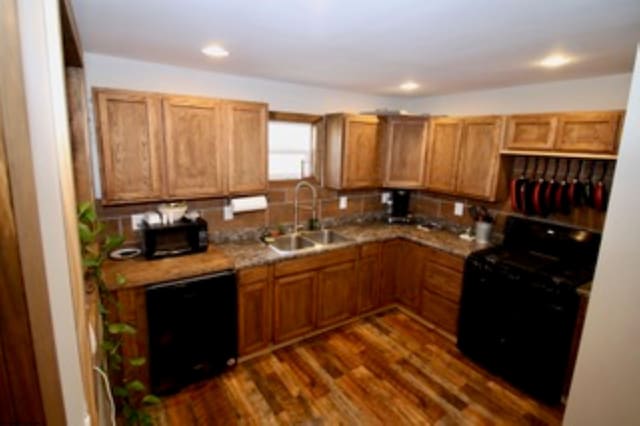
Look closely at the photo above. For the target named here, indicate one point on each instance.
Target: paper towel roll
(248, 204)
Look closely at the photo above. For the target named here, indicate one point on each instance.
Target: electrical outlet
(342, 202)
(458, 209)
(227, 212)
(385, 197)
(136, 221)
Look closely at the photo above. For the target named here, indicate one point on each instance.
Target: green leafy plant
(129, 394)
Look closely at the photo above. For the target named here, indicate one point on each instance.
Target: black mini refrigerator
(192, 330)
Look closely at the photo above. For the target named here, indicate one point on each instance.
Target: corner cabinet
(464, 156)
(129, 126)
(155, 147)
(404, 149)
(351, 152)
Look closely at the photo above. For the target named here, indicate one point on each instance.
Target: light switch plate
(458, 209)
(385, 197)
(342, 202)
(136, 221)
(227, 212)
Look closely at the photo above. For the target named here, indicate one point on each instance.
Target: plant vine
(129, 394)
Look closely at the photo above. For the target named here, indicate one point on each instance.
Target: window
(291, 147)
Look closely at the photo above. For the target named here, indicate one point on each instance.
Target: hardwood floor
(386, 369)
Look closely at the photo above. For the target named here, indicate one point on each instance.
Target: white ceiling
(372, 46)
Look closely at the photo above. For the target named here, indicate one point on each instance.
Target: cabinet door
(254, 319)
(294, 304)
(443, 281)
(390, 256)
(406, 146)
(336, 293)
(130, 145)
(479, 159)
(531, 132)
(589, 132)
(247, 138)
(442, 155)
(195, 147)
(361, 169)
(409, 274)
(440, 311)
(368, 283)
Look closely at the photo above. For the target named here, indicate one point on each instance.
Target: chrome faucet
(296, 203)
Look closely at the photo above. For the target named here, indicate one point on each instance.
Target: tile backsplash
(280, 199)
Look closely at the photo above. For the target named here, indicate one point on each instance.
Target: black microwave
(182, 237)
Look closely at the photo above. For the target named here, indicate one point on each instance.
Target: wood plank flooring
(385, 369)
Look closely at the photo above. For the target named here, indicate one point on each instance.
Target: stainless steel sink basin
(326, 236)
(290, 243)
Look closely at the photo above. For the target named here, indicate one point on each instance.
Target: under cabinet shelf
(556, 154)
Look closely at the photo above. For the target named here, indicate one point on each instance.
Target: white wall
(606, 384)
(39, 24)
(109, 71)
(608, 92)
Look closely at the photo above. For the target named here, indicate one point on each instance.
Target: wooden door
(361, 151)
(589, 132)
(531, 132)
(247, 138)
(254, 316)
(442, 154)
(406, 146)
(337, 299)
(130, 140)
(440, 311)
(390, 256)
(369, 276)
(409, 274)
(295, 305)
(479, 159)
(195, 147)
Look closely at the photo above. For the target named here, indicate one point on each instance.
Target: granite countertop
(253, 253)
(248, 253)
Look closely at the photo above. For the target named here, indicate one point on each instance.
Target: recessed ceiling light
(409, 85)
(215, 51)
(555, 61)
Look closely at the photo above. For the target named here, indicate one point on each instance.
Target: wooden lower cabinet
(254, 314)
(409, 267)
(441, 289)
(336, 293)
(369, 278)
(440, 311)
(390, 253)
(294, 305)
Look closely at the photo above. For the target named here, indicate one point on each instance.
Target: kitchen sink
(291, 243)
(326, 236)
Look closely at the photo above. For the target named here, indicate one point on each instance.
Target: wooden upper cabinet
(531, 132)
(351, 152)
(479, 158)
(194, 146)
(442, 155)
(405, 148)
(589, 132)
(129, 135)
(247, 155)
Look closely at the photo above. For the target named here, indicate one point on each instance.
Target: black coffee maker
(399, 209)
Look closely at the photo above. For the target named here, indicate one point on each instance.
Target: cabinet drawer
(318, 261)
(370, 249)
(443, 281)
(440, 311)
(251, 275)
(445, 259)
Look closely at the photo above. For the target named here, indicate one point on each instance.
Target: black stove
(519, 303)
